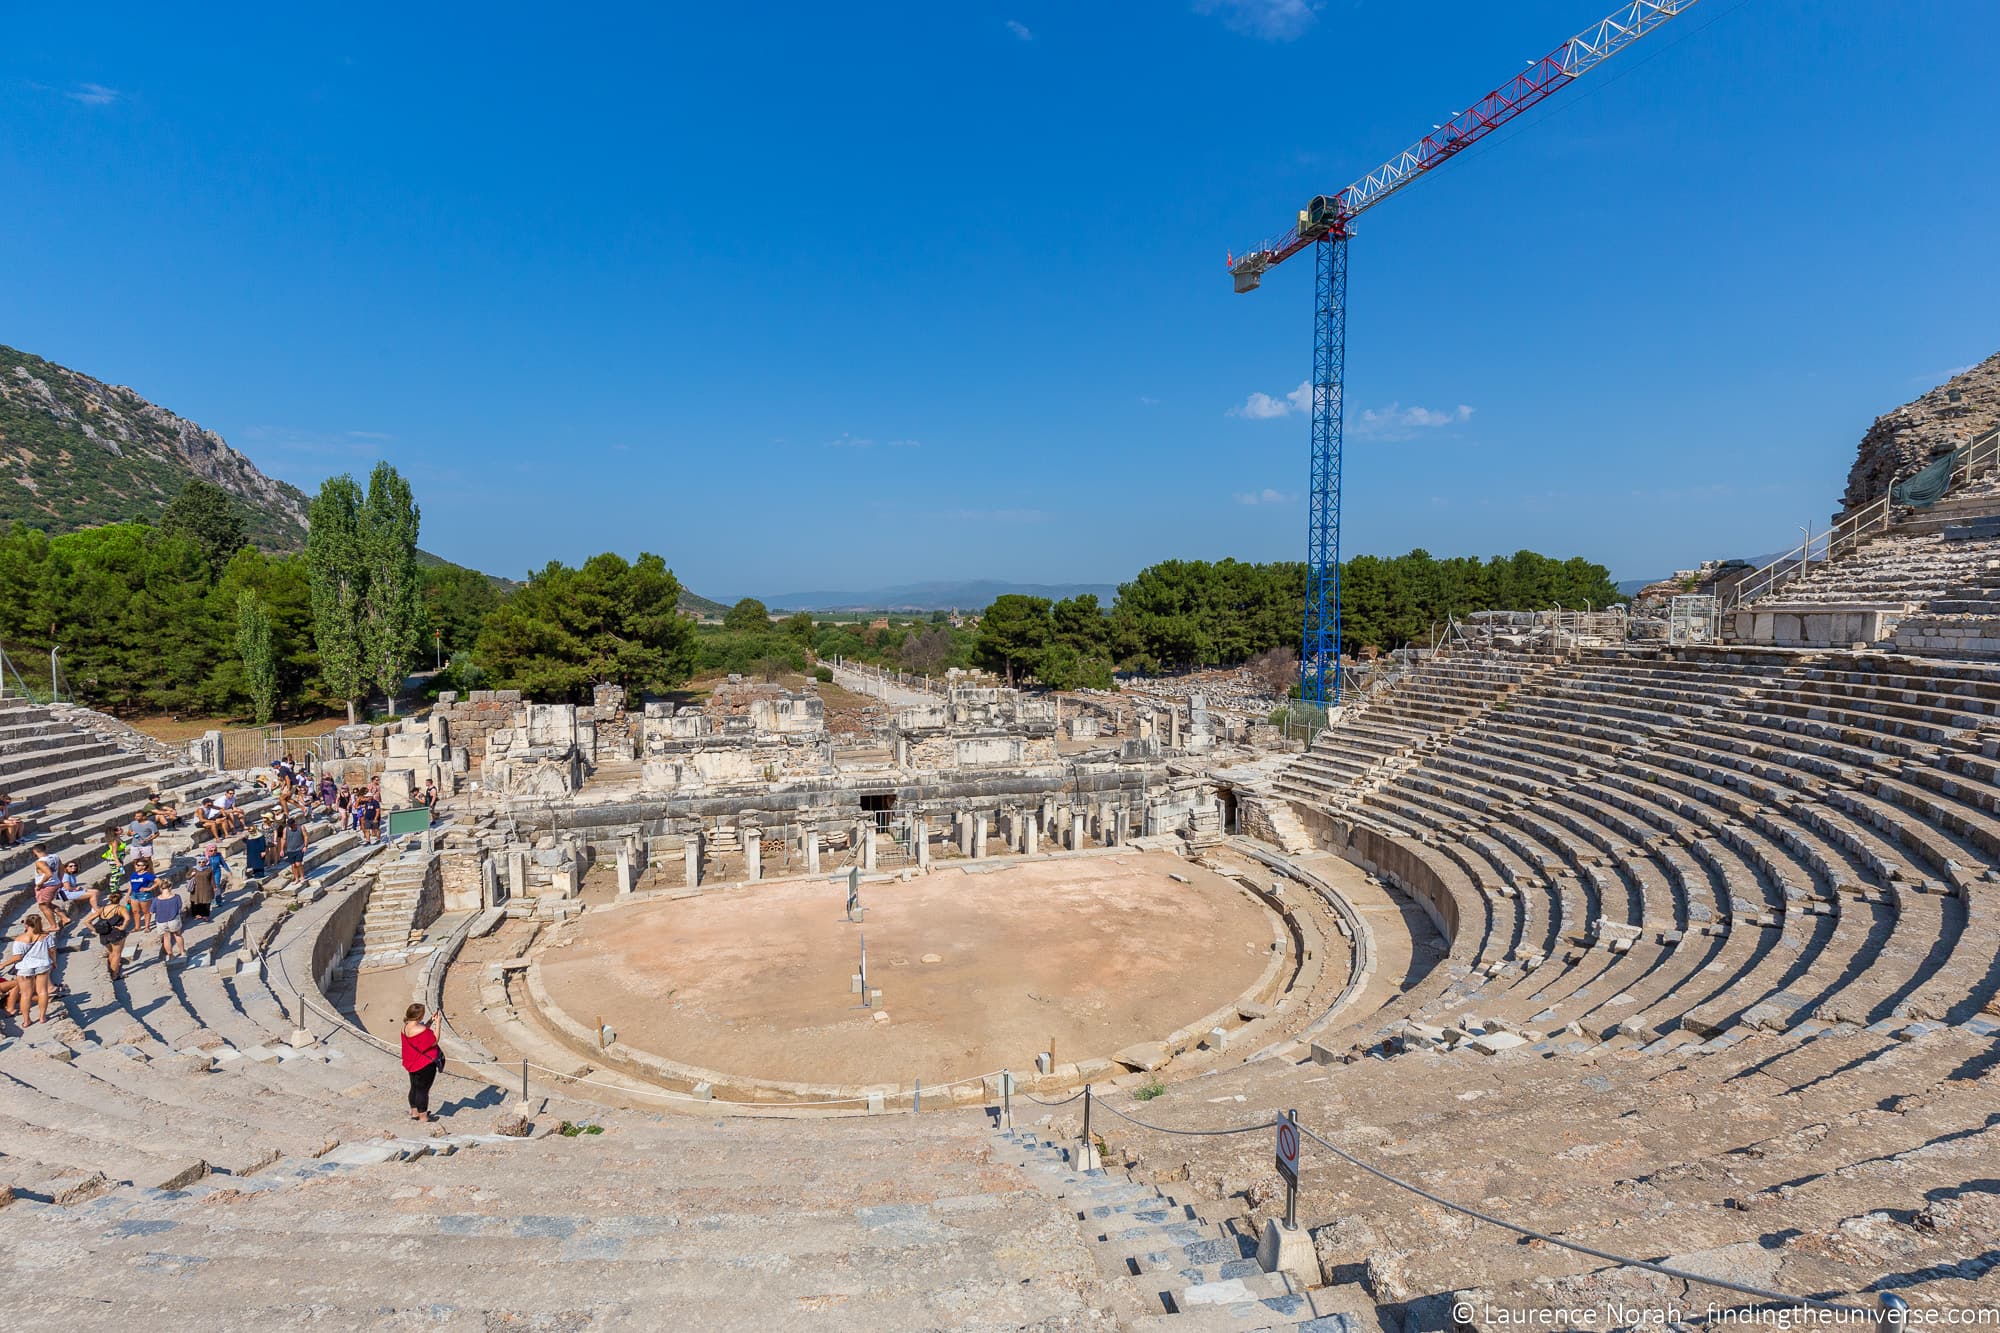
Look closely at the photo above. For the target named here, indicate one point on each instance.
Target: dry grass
(175, 728)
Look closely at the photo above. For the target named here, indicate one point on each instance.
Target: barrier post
(1007, 1096)
(1089, 1153)
(1292, 1184)
(524, 1082)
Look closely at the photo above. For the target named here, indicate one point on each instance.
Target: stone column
(979, 835)
(1031, 833)
(922, 836)
(1174, 727)
(1076, 830)
(692, 851)
(812, 851)
(964, 833)
(1104, 822)
(517, 874)
(868, 846)
(625, 875)
(902, 752)
(1121, 826)
(753, 854)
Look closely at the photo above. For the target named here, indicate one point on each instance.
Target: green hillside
(700, 606)
(76, 452)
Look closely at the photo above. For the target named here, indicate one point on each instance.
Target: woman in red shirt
(422, 1058)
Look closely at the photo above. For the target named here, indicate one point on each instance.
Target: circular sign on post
(1288, 1148)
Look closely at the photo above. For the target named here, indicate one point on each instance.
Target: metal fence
(253, 747)
(1851, 529)
(13, 685)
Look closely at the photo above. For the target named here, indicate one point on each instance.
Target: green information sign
(414, 820)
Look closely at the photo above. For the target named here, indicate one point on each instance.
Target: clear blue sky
(811, 296)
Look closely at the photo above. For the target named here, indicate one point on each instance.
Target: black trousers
(420, 1088)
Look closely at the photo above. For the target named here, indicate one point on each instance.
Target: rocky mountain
(1957, 412)
(76, 452)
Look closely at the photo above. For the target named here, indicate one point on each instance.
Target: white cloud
(1147, 401)
(1267, 496)
(92, 94)
(1020, 29)
(1263, 407)
(1273, 20)
(1396, 422)
(1940, 376)
(906, 444)
(847, 441)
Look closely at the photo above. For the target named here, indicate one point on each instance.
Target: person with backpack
(116, 849)
(112, 923)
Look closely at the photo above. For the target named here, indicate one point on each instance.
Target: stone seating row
(1779, 853)
(1767, 1153)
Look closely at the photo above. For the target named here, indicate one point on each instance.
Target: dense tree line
(185, 617)
(1181, 614)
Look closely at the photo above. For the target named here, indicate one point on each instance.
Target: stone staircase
(406, 898)
(1176, 1262)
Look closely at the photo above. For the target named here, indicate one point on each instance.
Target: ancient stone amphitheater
(1660, 990)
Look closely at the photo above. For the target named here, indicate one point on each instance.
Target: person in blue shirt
(144, 887)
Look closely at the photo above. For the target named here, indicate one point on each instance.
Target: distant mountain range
(968, 595)
(1630, 587)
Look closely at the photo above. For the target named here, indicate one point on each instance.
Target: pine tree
(205, 514)
(338, 573)
(392, 596)
(260, 663)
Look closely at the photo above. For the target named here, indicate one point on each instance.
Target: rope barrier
(1064, 1102)
(1664, 1270)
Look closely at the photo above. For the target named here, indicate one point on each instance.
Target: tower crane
(1326, 224)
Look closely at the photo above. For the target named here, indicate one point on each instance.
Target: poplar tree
(392, 591)
(337, 572)
(260, 662)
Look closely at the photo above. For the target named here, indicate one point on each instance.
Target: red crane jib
(1329, 215)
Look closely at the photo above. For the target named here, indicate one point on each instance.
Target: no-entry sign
(1288, 1148)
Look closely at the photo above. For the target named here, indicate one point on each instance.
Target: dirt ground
(163, 727)
(1097, 952)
